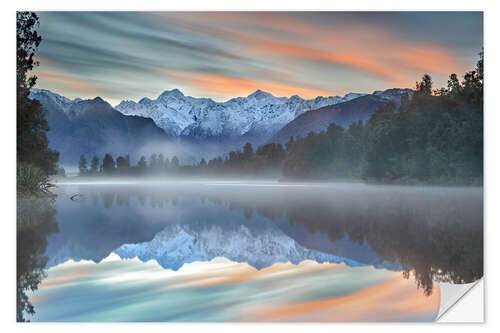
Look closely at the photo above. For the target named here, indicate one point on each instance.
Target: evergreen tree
(108, 164)
(161, 162)
(290, 145)
(153, 160)
(142, 165)
(82, 166)
(166, 164)
(94, 165)
(175, 162)
(454, 88)
(122, 165)
(247, 152)
(424, 87)
(32, 143)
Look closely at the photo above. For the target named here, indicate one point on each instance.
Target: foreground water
(257, 251)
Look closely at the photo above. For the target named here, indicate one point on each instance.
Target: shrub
(31, 180)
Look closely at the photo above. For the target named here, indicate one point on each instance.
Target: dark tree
(142, 165)
(161, 161)
(203, 164)
(454, 87)
(424, 87)
(28, 41)
(247, 151)
(290, 144)
(82, 165)
(153, 161)
(32, 144)
(94, 165)
(108, 164)
(174, 163)
(122, 165)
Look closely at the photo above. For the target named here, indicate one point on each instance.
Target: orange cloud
(393, 64)
(387, 301)
(68, 81)
(358, 45)
(223, 85)
(41, 60)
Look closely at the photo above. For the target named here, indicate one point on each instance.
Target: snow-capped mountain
(180, 244)
(259, 113)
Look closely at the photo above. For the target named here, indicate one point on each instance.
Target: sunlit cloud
(231, 54)
(41, 60)
(369, 49)
(223, 85)
(68, 81)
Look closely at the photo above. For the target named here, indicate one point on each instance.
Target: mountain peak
(393, 91)
(353, 95)
(259, 94)
(145, 100)
(171, 93)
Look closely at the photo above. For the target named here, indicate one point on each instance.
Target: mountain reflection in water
(431, 233)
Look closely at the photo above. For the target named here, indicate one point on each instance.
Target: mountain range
(194, 127)
(202, 118)
(93, 127)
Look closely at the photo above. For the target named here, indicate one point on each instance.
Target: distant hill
(94, 127)
(342, 114)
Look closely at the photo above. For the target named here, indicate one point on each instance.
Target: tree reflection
(35, 221)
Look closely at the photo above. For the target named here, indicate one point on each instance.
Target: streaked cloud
(224, 85)
(69, 82)
(127, 55)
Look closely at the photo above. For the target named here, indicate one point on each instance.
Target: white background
(470, 308)
(492, 165)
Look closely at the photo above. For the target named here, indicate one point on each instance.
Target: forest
(434, 137)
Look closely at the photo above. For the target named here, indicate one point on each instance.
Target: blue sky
(129, 55)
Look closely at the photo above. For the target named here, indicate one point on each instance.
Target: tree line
(157, 164)
(266, 161)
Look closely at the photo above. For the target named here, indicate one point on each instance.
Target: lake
(197, 251)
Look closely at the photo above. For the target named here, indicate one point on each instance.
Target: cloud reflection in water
(223, 290)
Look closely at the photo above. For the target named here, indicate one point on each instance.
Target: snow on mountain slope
(180, 244)
(50, 100)
(260, 112)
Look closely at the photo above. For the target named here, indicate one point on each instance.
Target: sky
(224, 290)
(221, 55)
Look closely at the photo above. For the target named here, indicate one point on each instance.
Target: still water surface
(256, 251)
